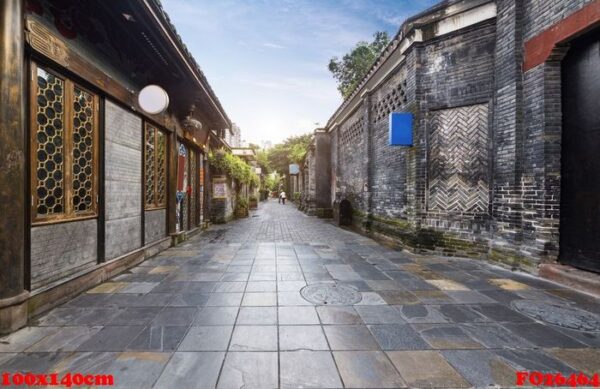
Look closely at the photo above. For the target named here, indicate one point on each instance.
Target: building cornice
(442, 19)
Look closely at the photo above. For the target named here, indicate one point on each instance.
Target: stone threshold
(580, 280)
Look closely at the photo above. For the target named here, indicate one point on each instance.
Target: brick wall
(542, 14)
(156, 225)
(351, 167)
(61, 250)
(123, 181)
(509, 168)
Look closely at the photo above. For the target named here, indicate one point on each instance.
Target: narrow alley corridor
(283, 300)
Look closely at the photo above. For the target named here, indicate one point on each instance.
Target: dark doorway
(580, 161)
(345, 213)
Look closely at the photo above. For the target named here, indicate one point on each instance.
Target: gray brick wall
(156, 225)
(123, 181)
(61, 250)
(351, 164)
(542, 14)
(478, 66)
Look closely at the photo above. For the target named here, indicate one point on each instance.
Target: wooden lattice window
(64, 148)
(155, 168)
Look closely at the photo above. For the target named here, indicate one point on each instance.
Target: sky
(267, 59)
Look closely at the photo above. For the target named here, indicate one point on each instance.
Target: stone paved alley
(225, 310)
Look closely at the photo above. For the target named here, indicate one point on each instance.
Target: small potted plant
(253, 202)
(241, 207)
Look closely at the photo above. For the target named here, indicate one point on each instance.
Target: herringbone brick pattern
(458, 160)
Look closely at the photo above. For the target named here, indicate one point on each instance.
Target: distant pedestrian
(279, 197)
(282, 197)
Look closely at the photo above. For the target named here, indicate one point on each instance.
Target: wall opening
(345, 213)
(580, 165)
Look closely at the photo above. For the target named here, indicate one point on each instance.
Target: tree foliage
(234, 167)
(353, 67)
(292, 150)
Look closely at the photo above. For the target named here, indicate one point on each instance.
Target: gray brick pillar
(369, 159)
(508, 124)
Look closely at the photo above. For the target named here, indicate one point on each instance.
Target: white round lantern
(153, 99)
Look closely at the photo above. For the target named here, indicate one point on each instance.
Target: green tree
(292, 150)
(353, 67)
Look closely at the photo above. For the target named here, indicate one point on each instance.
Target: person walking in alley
(282, 197)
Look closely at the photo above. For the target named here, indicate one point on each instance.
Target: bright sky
(267, 59)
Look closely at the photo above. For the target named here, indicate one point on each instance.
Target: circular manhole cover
(559, 315)
(330, 294)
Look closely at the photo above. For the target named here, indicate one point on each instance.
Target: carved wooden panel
(155, 167)
(64, 152)
(44, 42)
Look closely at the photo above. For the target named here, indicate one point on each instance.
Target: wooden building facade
(90, 184)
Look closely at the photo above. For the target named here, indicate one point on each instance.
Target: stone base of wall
(577, 279)
(322, 213)
(47, 298)
(220, 211)
(402, 234)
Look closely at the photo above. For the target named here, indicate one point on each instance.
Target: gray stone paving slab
(308, 369)
(534, 360)
(339, 315)
(257, 316)
(261, 286)
(421, 314)
(482, 368)
(175, 316)
(397, 337)
(225, 300)
(350, 337)
(24, 338)
(189, 300)
(230, 287)
(66, 339)
(40, 362)
(260, 299)
(297, 315)
(542, 336)
(135, 316)
(446, 336)
(137, 370)
(249, 370)
(206, 338)
(426, 369)
(292, 338)
(495, 336)
(158, 338)
(254, 338)
(367, 369)
(111, 338)
(232, 297)
(192, 370)
(383, 314)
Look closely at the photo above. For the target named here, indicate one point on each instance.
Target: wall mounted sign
(181, 173)
(401, 131)
(294, 169)
(153, 99)
(219, 188)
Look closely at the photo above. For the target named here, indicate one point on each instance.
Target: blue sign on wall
(401, 133)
